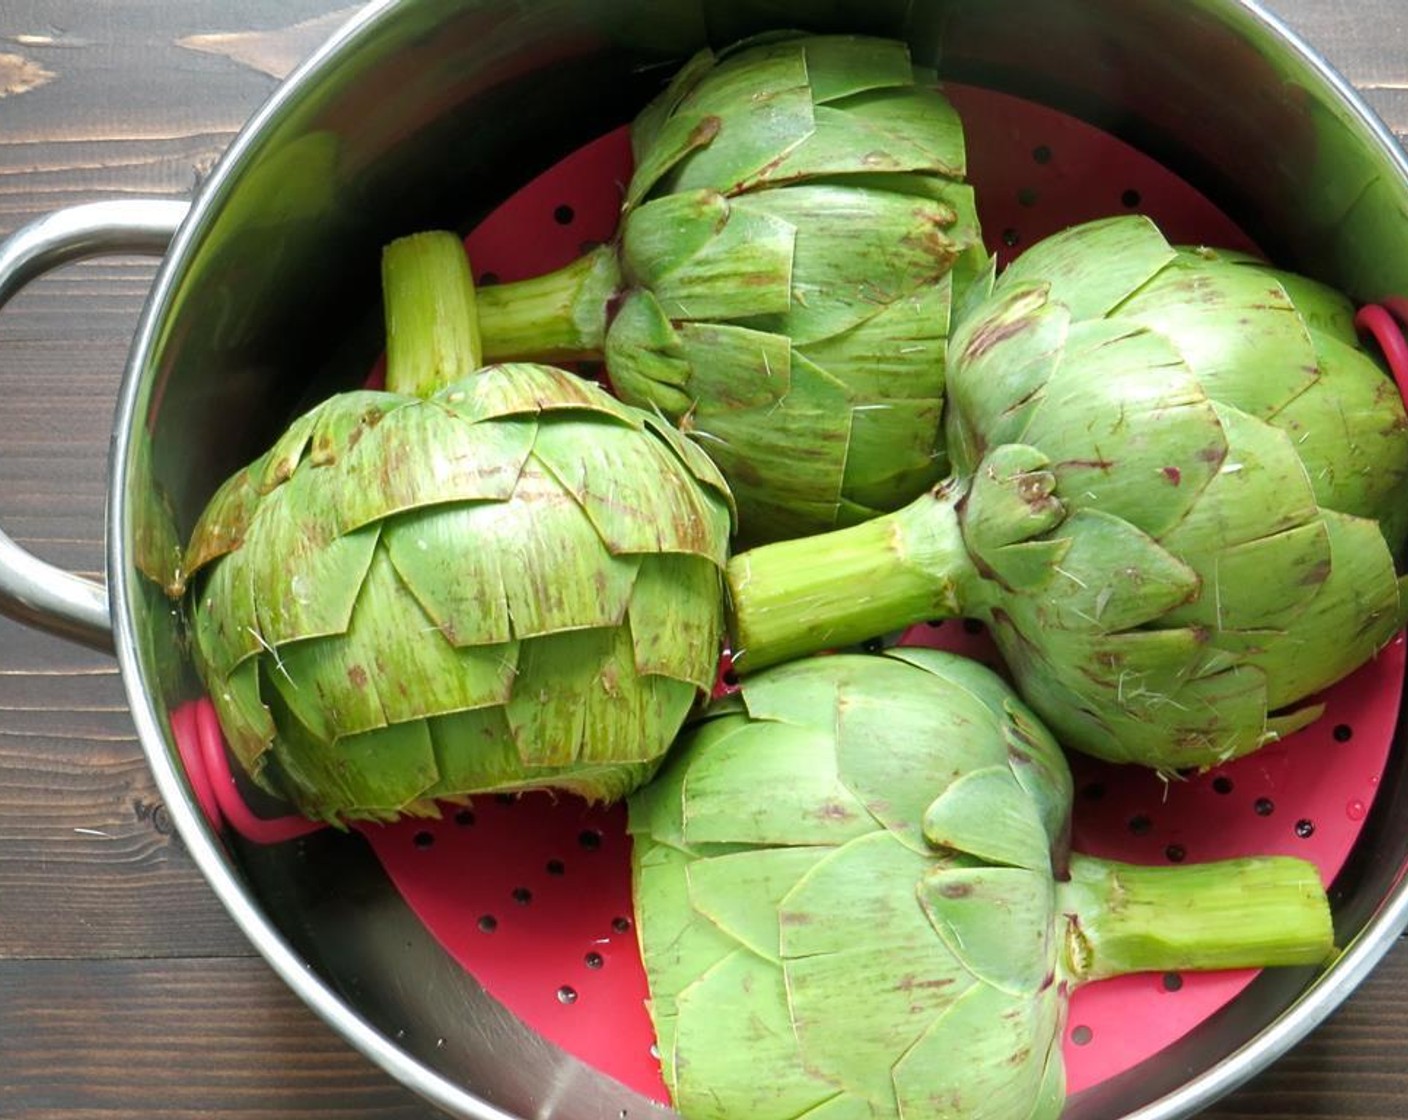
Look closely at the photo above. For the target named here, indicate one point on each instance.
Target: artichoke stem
(432, 331)
(850, 585)
(1239, 913)
(561, 316)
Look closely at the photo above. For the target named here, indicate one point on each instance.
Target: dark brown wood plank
(122, 1040)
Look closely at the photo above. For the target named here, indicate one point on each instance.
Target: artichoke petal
(740, 1006)
(928, 1082)
(704, 257)
(649, 505)
(577, 699)
(988, 814)
(1105, 455)
(670, 639)
(808, 804)
(995, 920)
(876, 956)
(1091, 269)
(1258, 368)
(741, 892)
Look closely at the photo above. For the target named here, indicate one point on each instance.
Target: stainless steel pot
(425, 113)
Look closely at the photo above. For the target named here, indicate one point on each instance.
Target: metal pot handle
(33, 590)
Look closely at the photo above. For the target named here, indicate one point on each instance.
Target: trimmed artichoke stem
(1238, 913)
(797, 596)
(432, 331)
(561, 316)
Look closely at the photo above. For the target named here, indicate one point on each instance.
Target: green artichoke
(1177, 502)
(894, 926)
(792, 241)
(473, 581)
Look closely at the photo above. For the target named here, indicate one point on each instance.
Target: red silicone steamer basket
(531, 895)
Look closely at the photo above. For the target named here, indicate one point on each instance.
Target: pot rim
(1321, 998)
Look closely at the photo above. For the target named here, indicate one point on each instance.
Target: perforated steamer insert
(532, 895)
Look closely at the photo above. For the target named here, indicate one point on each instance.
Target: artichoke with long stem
(1177, 502)
(479, 579)
(855, 898)
(793, 239)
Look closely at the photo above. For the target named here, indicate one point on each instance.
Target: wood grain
(125, 991)
(112, 1039)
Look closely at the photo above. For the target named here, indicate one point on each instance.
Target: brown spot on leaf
(705, 131)
(956, 890)
(1317, 574)
(1173, 474)
(20, 75)
(358, 676)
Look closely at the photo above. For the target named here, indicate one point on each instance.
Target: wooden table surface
(125, 991)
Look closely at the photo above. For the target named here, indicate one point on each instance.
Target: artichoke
(476, 580)
(894, 927)
(1177, 502)
(792, 241)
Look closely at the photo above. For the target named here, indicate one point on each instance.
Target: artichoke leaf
(529, 390)
(988, 814)
(997, 922)
(865, 972)
(839, 66)
(229, 636)
(221, 527)
(392, 665)
(1145, 581)
(1012, 500)
(738, 1012)
(1009, 353)
(376, 774)
(1021, 1076)
(892, 453)
(244, 718)
(898, 783)
(496, 571)
(1260, 489)
(306, 573)
(650, 157)
(753, 107)
(646, 357)
(705, 257)
(703, 468)
(1360, 583)
(1275, 577)
(387, 471)
(846, 1106)
(276, 466)
(649, 504)
(895, 354)
(905, 128)
(741, 892)
(577, 699)
(657, 810)
(1163, 430)
(676, 947)
(857, 249)
(670, 639)
(1093, 268)
(340, 422)
(1349, 431)
(808, 802)
(1261, 366)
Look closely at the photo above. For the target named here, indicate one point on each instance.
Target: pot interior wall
(432, 112)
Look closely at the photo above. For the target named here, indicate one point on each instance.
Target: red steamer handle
(1386, 322)
(202, 747)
